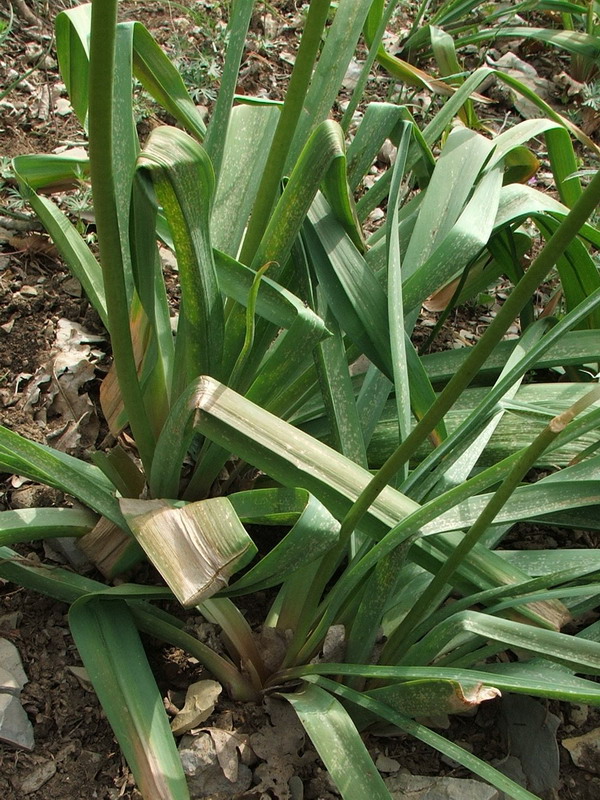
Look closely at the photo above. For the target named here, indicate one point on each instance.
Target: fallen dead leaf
(200, 701)
(55, 391)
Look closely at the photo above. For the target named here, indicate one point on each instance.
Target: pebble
(385, 764)
(10, 660)
(423, 787)
(29, 291)
(38, 776)
(204, 773)
(15, 727)
(578, 714)
(585, 750)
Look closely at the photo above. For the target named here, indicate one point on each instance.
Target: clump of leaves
(396, 480)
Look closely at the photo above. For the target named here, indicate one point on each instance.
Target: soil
(74, 744)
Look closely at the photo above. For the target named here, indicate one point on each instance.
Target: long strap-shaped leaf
(454, 751)
(152, 67)
(576, 42)
(28, 524)
(337, 741)
(110, 646)
(184, 182)
(397, 67)
(296, 459)
(286, 126)
(339, 47)
(537, 677)
(31, 173)
(68, 586)
(239, 20)
(63, 472)
(103, 145)
(249, 136)
(323, 155)
(578, 654)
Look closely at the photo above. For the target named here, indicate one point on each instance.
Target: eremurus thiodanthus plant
(396, 484)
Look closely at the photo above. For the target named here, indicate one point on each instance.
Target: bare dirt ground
(75, 755)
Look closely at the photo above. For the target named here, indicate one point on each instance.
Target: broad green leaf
(463, 156)
(273, 302)
(160, 78)
(153, 337)
(337, 392)
(458, 466)
(398, 68)
(575, 42)
(67, 586)
(573, 348)
(109, 644)
(577, 654)
(291, 110)
(249, 136)
(352, 289)
(61, 471)
(328, 75)
(52, 172)
(439, 743)
(538, 677)
(314, 533)
(403, 389)
(65, 236)
(377, 125)
(52, 581)
(537, 403)
(444, 52)
(338, 743)
(183, 179)
(323, 153)
(479, 415)
(462, 243)
(432, 698)
(28, 524)
(113, 146)
(72, 48)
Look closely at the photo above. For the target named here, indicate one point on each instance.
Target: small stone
(578, 714)
(422, 787)
(63, 107)
(8, 683)
(376, 215)
(72, 287)
(82, 676)
(204, 773)
(385, 764)
(38, 776)
(15, 727)
(10, 660)
(512, 768)
(585, 750)
(29, 291)
(10, 621)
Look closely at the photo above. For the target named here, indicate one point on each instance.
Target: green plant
(439, 29)
(279, 294)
